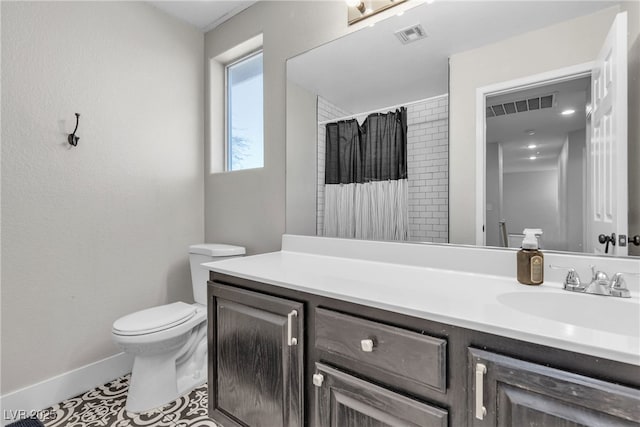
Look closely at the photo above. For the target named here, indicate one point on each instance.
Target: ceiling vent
(411, 34)
(522, 105)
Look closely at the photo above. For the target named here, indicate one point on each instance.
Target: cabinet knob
(318, 379)
(367, 345)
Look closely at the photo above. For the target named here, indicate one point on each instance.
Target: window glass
(245, 148)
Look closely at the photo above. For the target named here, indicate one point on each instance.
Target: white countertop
(466, 299)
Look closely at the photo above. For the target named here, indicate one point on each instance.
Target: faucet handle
(598, 276)
(572, 281)
(619, 285)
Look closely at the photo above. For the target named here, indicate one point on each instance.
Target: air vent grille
(411, 34)
(522, 105)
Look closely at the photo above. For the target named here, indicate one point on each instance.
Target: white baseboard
(27, 401)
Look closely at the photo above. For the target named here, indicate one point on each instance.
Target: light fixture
(358, 10)
(531, 146)
(530, 132)
(568, 112)
(532, 157)
(358, 5)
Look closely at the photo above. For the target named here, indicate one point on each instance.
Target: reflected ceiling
(451, 26)
(539, 133)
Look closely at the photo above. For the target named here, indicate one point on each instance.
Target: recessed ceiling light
(568, 112)
(530, 132)
(531, 146)
(532, 158)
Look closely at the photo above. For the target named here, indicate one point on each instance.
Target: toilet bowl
(169, 342)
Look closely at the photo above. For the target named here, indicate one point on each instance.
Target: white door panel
(608, 144)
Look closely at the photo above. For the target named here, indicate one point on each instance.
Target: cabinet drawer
(407, 355)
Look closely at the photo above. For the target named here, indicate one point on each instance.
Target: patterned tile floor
(104, 406)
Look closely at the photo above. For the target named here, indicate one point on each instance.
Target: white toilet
(169, 342)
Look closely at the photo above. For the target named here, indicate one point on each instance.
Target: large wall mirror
(432, 64)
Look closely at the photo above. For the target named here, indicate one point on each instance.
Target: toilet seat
(154, 319)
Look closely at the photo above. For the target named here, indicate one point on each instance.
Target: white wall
(531, 201)
(568, 43)
(94, 232)
(576, 186)
(563, 164)
(493, 197)
(301, 137)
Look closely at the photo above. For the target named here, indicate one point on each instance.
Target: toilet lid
(154, 319)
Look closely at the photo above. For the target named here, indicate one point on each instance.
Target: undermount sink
(608, 314)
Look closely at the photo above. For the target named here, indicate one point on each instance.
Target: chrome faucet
(600, 283)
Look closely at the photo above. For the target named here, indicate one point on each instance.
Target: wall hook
(73, 139)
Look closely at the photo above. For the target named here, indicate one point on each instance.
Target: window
(244, 114)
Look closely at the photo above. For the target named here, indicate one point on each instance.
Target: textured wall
(94, 232)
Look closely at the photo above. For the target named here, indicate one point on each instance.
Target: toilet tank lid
(216, 249)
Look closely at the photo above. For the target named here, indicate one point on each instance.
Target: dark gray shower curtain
(375, 151)
(384, 148)
(343, 161)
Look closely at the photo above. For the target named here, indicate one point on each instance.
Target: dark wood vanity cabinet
(256, 358)
(509, 392)
(358, 366)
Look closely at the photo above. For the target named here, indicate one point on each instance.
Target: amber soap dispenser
(530, 259)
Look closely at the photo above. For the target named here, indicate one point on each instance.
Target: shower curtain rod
(324, 122)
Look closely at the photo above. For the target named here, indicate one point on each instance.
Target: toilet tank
(208, 252)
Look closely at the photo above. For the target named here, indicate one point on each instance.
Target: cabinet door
(346, 401)
(256, 360)
(517, 393)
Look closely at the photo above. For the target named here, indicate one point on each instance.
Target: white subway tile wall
(427, 164)
(428, 170)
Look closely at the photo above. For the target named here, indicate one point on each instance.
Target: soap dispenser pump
(530, 259)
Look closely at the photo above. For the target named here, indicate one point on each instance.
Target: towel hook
(73, 139)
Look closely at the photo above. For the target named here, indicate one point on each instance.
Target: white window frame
(227, 118)
(215, 104)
